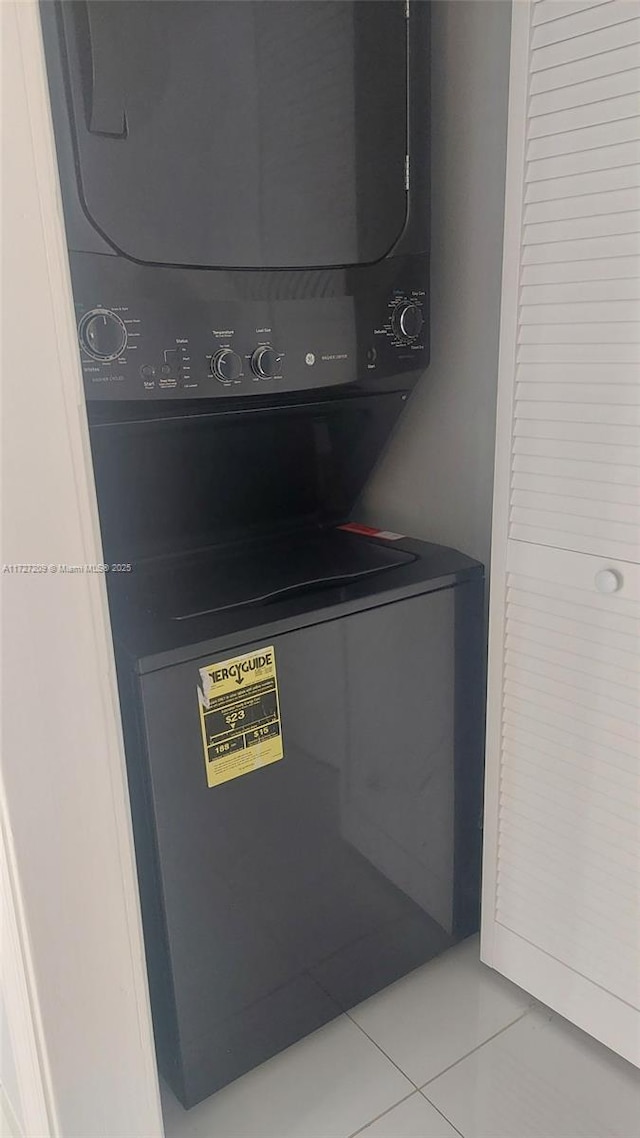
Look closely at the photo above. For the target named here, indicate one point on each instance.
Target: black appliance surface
(246, 197)
(177, 483)
(245, 135)
(246, 192)
(277, 899)
(301, 563)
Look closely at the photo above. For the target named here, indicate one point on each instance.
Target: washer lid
(265, 134)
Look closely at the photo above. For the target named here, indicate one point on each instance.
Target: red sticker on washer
(370, 531)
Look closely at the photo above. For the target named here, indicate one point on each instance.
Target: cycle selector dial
(407, 321)
(102, 334)
(226, 365)
(264, 362)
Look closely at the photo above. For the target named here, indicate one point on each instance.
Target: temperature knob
(102, 334)
(407, 321)
(226, 365)
(264, 363)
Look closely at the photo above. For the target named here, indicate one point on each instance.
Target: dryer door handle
(105, 96)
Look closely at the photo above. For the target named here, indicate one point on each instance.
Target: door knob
(608, 581)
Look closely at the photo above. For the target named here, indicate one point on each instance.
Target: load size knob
(407, 321)
(102, 334)
(226, 365)
(264, 362)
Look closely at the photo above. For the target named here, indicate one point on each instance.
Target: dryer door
(241, 135)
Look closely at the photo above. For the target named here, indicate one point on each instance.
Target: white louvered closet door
(561, 893)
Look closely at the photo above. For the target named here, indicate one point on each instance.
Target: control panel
(154, 333)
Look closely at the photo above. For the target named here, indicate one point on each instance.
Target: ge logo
(310, 359)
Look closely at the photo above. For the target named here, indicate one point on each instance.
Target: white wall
(10, 1101)
(63, 797)
(435, 481)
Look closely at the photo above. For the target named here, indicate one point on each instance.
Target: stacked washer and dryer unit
(246, 196)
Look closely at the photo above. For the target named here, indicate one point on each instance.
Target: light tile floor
(452, 1049)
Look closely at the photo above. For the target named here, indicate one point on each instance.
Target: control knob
(264, 362)
(407, 321)
(226, 365)
(102, 334)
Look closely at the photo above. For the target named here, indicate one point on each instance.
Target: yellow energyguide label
(240, 715)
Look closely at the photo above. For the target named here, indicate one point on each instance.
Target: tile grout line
(442, 1115)
(384, 1112)
(416, 1089)
(382, 1052)
(420, 1089)
(473, 1050)
(466, 1055)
